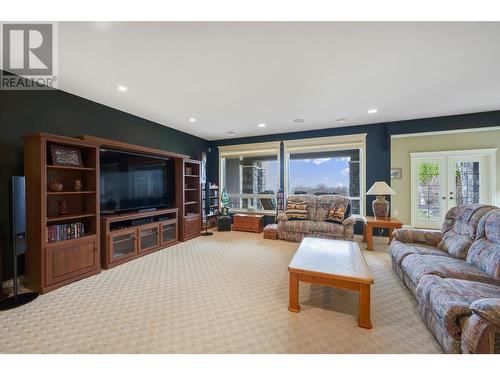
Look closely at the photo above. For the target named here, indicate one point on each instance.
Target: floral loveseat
(455, 277)
(315, 224)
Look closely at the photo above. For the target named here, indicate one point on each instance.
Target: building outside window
(250, 174)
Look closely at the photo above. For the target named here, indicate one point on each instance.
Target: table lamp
(380, 206)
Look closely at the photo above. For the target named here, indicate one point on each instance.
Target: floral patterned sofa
(455, 277)
(315, 225)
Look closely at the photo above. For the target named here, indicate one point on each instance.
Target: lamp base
(380, 207)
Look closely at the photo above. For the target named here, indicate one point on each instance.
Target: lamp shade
(380, 188)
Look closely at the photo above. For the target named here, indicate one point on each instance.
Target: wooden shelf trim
(69, 167)
(72, 241)
(67, 217)
(70, 192)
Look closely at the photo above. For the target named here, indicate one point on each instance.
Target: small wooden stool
(271, 232)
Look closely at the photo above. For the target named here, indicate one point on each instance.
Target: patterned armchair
(455, 277)
(315, 224)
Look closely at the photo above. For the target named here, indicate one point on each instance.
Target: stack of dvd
(62, 232)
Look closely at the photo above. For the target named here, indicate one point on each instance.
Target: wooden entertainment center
(67, 237)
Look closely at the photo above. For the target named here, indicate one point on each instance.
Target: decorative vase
(224, 198)
(78, 185)
(55, 186)
(380, 207)
(63, 207)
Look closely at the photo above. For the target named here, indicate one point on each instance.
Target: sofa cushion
(450, 299)
(296, 210)
(299, 226)
(459, 228)
(325, 202)
(416, 266)
(331, 228)
(484, 252)
(338, 212)
(399, 250)
(310, 200)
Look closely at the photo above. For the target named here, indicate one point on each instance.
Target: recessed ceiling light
(261, 125)
(192, 119)
(341, 120)
(373, 110)
(299, 120)
(122, 88)
(231, 133)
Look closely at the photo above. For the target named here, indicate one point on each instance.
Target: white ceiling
(232, 76)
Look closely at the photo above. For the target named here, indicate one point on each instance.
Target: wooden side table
(370, 222)
(248, 223)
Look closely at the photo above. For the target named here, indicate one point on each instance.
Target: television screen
(132, 182)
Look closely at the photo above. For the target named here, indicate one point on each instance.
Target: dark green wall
(57, 112)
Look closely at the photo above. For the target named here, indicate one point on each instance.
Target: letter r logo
(28, 49)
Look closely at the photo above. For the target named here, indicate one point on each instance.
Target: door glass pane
(123, 245)
(467, 182)
(149, 238)
(428, 192)
(168, 233)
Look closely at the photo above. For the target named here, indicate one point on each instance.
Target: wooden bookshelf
(192, 199)
(211, 205)
(62, 246)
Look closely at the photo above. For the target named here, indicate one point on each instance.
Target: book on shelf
(62, 232)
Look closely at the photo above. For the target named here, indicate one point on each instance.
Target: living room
(250, 187)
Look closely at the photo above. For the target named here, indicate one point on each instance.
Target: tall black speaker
(19, 214)
(18, 240)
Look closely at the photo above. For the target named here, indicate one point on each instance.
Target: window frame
(335, 143)
(250, 149)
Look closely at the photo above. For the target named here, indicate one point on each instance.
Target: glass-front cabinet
(122, 244)
(168, 232)
(149, 237)
(131, 235)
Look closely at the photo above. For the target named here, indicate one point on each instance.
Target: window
(250, 174)
(331, 165)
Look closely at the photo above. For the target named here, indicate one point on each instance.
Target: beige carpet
(223, 294)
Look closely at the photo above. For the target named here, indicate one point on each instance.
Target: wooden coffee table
(370, 222)
(333, 263)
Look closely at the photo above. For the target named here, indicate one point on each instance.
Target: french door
(442, 180)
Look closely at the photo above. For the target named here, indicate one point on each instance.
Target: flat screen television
(131, 182)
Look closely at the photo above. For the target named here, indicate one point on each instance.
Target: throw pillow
(296, 210)
(338, 212)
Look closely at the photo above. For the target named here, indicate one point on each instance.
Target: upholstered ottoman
(271, 232)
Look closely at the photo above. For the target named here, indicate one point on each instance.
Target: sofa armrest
(417, 236)
(281, 217)
(349, 221)
(488, 309)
